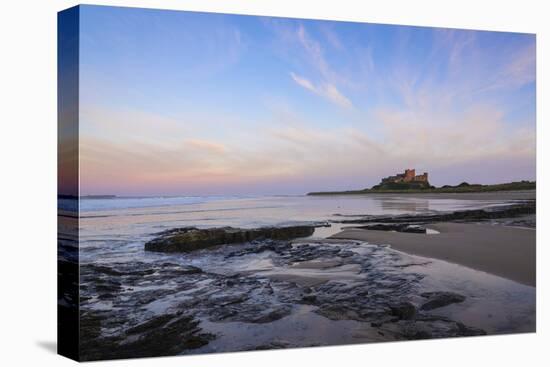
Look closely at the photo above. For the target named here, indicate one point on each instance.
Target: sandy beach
(508, 252)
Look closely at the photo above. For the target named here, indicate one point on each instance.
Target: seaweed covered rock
(191, 238)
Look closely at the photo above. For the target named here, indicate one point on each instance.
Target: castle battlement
(409, 176)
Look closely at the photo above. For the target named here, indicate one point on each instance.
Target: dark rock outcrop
(403, 310)
(440, 299)
(474, 215)
(190, 238)
(163, 335)
(432, 326)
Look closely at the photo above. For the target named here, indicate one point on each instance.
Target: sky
(186, 103)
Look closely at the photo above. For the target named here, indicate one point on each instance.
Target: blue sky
(178, 102)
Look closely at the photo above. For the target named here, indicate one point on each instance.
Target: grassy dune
(463, 187)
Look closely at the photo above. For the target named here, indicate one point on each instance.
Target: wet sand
(508, 252)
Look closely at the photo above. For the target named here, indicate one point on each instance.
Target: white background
(28, 182)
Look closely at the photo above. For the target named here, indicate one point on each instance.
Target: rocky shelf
(171, 314)
(474, 215)
(191, 238)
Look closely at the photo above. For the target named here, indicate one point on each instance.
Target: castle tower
(409, 175)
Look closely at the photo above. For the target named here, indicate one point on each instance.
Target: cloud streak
(326, 90)
(295, 151)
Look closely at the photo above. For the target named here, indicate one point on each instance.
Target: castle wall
(421, 178)
(408, 176)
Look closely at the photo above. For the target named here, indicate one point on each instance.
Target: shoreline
(466, 195)
(508, 252)
(423, 185)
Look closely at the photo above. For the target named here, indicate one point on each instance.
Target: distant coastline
(98, 197)
(461, 188)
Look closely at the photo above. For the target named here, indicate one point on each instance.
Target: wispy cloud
(303, 82)
(441, 138)
(333, 94)
(332, 37)
(308, 53)
(206, 145)
(326, 90)
(315, 52)
(520, 70)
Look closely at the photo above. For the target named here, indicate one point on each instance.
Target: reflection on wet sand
(411, 206)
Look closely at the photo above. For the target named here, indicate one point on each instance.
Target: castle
(408, 177)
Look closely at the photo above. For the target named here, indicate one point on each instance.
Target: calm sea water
(114, 229)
